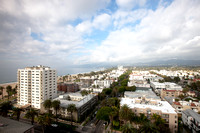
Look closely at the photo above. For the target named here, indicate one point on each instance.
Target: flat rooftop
(163, 106)
(64, 102)
(195, 115)
(141, 92)
(13, 126)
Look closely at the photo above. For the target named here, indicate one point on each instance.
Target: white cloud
(163, 33)
(51, 19)
(122, 18)
(129, 4)
(102, 21)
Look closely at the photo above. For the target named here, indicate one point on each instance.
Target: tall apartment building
(35, 85)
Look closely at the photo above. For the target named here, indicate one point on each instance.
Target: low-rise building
(192, 120)
(184, 105)
(103, 83)
(93, 90)
(146, 102)
(68, 87)
(157, 87)
(83, 104)
(170, 93)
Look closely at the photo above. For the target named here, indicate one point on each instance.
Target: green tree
(132, 88)
(157, 119)
(30, 114)
(114, 101)
(44, 120)
(47, 105)
(149, 127)
(128, 128)
(103, 113)
(56, 107)
(5, 107)
(142, 118)
(9, 91)
(114, 113)
(1, 89)
(125, 113)
(121, 89)
(84, 92)
(41, 121)
(176, 79)
(185, 90)
(17, 112)
(107, 91)
(14, 91)
(71, 108)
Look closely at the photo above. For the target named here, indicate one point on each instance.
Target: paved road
(100, 127)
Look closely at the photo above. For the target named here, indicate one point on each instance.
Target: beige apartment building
(170, 93)
(146, 102)
(35, 85)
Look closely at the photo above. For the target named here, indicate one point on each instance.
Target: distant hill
(172, 62)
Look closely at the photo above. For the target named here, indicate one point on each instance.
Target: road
(100, 127)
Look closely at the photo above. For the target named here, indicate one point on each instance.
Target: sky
(67, 34)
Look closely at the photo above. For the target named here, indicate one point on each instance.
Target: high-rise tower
(35, 85)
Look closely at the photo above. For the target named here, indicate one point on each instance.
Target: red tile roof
(176, 103)
(192, 104)
(170, 90)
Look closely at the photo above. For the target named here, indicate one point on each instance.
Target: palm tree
(157, 120)
(125, 113)
(1, 93)
(149, 127)
(5, 107)
(8, 90)
(128, 128)
(47, 105)
(71, 108)
(113, 113)
(1, 89)
(56, 107)
(44, 120)
(14, 91)
(142, 118)
(41, 121)
(17, 112)
(160, 122)
(30, 114)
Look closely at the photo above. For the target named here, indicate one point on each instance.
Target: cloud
(64, 33)
(51, 19)
(129, 4)
(168, 32)
(100, 22)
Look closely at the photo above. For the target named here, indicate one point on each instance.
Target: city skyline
(66, 34)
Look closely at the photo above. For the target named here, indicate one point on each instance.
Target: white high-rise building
(35, 85)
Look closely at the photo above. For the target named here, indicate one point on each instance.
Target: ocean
(11, 76)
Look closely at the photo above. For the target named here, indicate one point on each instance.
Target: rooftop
(13, 126)
(176, 103)
(64, 102)
(141, 92)
(163, 106)
(190, 112)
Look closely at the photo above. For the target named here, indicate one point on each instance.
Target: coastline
(8, 83)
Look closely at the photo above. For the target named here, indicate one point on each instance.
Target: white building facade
(35, 85)
(192, 120)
